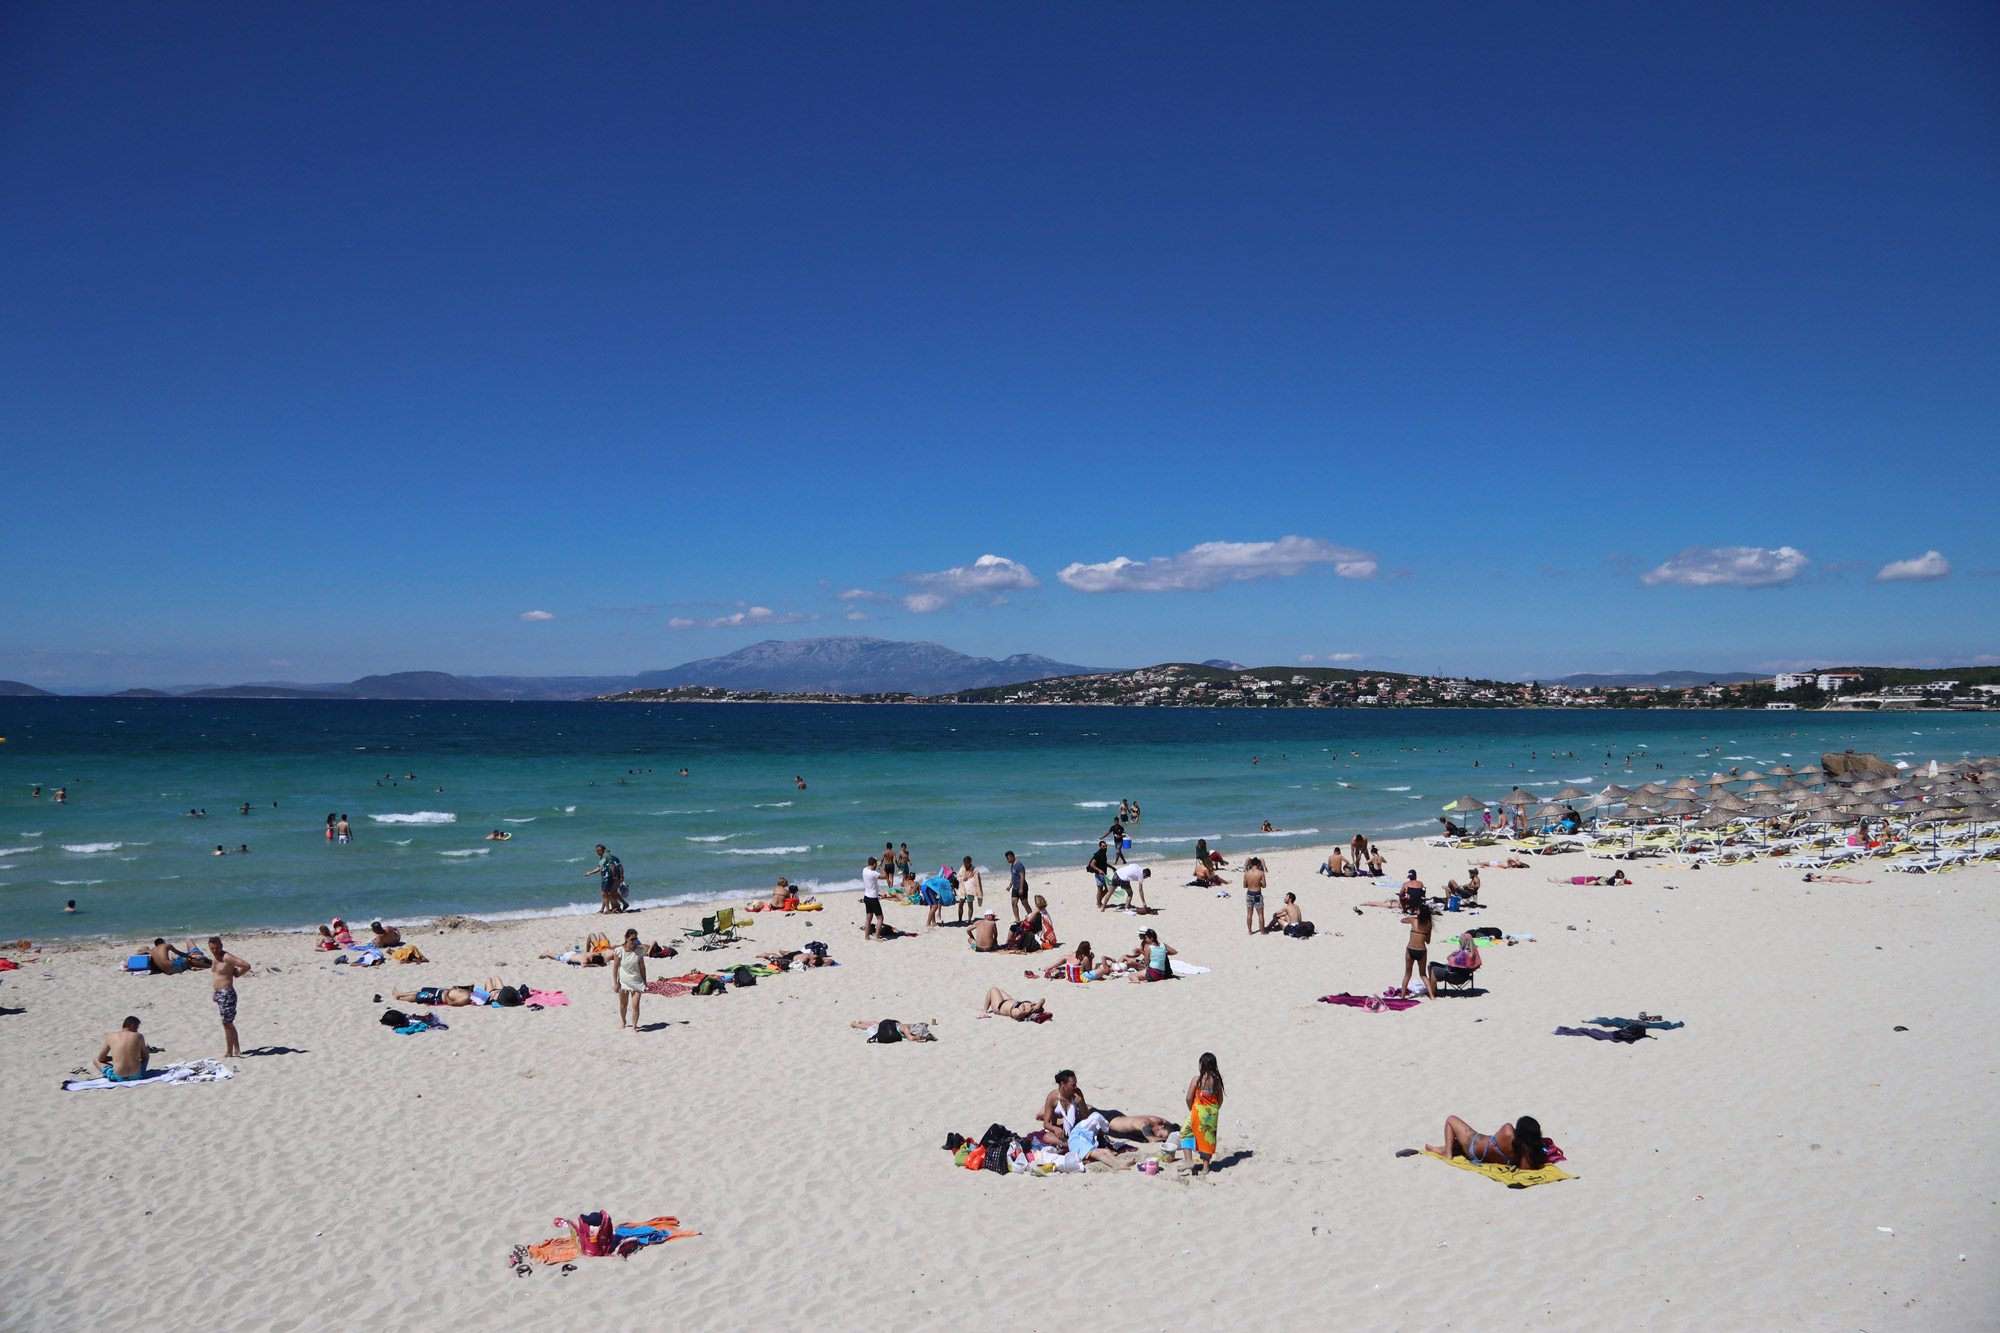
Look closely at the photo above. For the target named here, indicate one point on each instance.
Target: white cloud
(1212, 564)
(1926, 568)
(988, 577)
(538, 615)
(857, 615)
(1729, 567)
(754, 615)
(1307, 657)
(1345, 657)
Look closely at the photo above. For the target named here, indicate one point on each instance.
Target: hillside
(856, 664)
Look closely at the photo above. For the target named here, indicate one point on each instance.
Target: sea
(704, 802)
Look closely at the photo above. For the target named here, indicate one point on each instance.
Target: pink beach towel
(1366, 1002)
(545, 998)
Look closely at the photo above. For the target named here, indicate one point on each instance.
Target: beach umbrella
(1748, 775)
(1517, 797)
(1759, 786)
(1717, 779)
(1869, 810)
(1553, 810)
(1682, 808)
(1614, 792)
(1465, 805)
(1731, 801)
(1570, 794)
(1651, 789)
(1781, 771)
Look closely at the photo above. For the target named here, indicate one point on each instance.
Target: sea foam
(16, 851)
(419, 817)
(470, 851)
(92, 846)
(760, 851)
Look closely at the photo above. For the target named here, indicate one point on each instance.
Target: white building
(1783, 708)
(1836, 680)
(1793, 680)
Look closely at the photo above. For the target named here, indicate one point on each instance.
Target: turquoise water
(950, 781)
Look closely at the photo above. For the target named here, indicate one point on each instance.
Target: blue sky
(1490, 339)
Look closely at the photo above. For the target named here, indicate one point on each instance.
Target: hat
(920, 1032)
(991, 915)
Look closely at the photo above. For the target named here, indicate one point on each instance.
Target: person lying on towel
(1516, 1145)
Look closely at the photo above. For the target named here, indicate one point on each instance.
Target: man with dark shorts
(223, 973)
(1017, 886)
(1253, 895)
(871, 900)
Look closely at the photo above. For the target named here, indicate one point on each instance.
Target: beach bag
(710, 986)
(395, 1018)
(744, 976)
(886, 1031)
(975, 1159)
(594, 1234)
(815, 948)
(1302, 931)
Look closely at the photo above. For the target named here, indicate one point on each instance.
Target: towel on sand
(1363, 1001)
(192, 1071)
(668, 988)
(1627, 1035)
(545, 998)
(1512, 1177)
(1659, 1023)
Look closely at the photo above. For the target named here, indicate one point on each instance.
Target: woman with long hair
(1204, 1102)
(1517, 1145)
(629, 979)
(1416, 953)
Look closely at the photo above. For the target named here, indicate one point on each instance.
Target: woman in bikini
(1006, 1006)
(1516, 1145)
(1416, 952)
(1615, 877)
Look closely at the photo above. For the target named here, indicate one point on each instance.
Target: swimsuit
(1253, 897)
(1475, 1153)
(225, 1000)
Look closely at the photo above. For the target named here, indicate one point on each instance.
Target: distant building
(1793, 680)
(1837, 680)
(1783, 708)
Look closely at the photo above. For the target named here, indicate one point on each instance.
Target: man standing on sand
(1253, 895)
(1100, 867)
(1017, 886)
(871, 899)
(226, 968)
(611, 871)
(123, 1057)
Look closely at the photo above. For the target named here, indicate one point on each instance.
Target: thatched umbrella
(1681, 808)
(1465, 805)
(1781, 771)
(1518, 798)
(1731, 801)
(1570, 794)
(1748, 775)
(1651, 789)
(1614, 792)
(1759, 786)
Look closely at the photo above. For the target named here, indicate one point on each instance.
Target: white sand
(1732, 1174)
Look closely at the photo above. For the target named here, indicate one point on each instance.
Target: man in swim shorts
(1017, 886)
(984, 934)
(1253, 895)
(223, 973)
(164, 957)
(123, 1057)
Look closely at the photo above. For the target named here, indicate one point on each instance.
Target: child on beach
(1204, 1102)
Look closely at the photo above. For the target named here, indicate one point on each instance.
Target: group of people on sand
(223, 968)
(1070, 1127)
(1363, 860)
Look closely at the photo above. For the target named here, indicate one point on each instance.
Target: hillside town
(1188, 685)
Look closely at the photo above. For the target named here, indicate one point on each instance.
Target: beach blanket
(191, 1071)
(1183, 969)
(421, 1023)
(664, 987)
(546, 998)
(565, 1248)
(1630, 1034)
(408, 953)
(1369, 1002)
(367, 956)
(1514, 1178)
(1659, 1023)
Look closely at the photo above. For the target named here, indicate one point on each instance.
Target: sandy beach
(1788, 1158)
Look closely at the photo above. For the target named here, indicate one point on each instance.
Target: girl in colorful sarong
(1204, 1101)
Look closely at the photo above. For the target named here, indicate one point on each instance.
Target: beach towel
(1201, 1123)
(1514, 1178)
(408, 953)
(546, 998)
(1630, 1034)
(192, 1071)
(1659, 1023)
(561, 1250)
(1370, 1002)
(669, 988)
(367, 956)
(421, 1023)
(653, 1231)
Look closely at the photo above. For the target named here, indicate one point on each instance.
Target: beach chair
(706, 933)
(726, 925)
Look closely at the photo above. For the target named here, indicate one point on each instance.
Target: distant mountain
(856, 664)
(1665, 680)
(261, 692)
(140, 694)
(417, 685)
(14, 689)
(549, 687)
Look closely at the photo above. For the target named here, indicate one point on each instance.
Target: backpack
(743, 976)
(886, 1031)
(1302, 931)
(395, 1018)
(710, 986)
(816, 949)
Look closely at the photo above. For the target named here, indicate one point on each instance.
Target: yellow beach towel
(1510, 1176)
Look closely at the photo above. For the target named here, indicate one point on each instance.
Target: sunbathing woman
(1811, 878)
(1615, 877)
(585, 957)
(1511, 863)
(1006, 1006)
(1516, 1145)
(454, 997)
(888, 1030)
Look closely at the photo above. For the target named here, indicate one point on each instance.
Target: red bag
(600, 1242)
(977, 1160)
